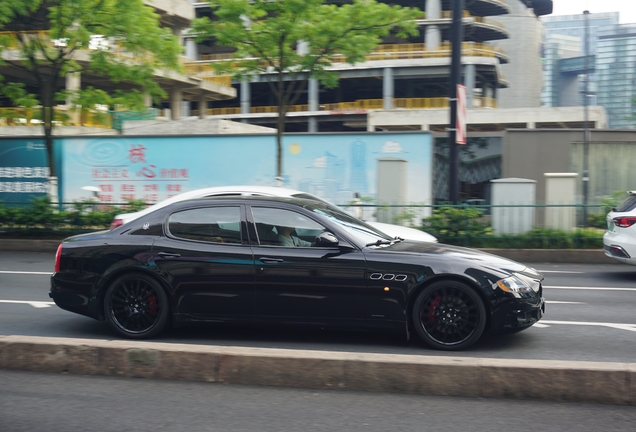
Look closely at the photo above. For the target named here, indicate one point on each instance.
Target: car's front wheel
(449, 315)
(136, 306)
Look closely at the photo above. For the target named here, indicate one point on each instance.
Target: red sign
(460, 124)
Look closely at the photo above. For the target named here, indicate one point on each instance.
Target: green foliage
(408, 215)
(463, 227)
(299, 38)
(545, 238)
(40, 214)
(456, 225)
(132, 47)
(598, 220)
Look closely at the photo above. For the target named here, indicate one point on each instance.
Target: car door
(206, 257)
(304, 283)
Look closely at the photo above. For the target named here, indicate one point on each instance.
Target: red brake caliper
(152, 302)
(431, 310)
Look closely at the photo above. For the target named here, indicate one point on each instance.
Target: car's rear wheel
(449, 315)
(136, 306)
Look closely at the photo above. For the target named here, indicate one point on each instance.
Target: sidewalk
(560, 381)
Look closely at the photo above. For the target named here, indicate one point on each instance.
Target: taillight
(625, 221)
(58, 257)
(116, 223)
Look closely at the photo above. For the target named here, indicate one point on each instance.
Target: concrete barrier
(561, 381)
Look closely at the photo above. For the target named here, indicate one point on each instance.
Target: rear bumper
(74, 297)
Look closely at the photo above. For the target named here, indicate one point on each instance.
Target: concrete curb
(562, 381)
(553, 256)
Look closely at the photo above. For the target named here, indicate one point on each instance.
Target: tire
(136, 306)
(449, 315)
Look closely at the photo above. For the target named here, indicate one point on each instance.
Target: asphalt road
(31, 401)
(589, 317)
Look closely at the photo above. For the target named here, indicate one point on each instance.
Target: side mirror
(326, 239)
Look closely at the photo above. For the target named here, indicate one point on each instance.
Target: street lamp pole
(586, 139)
(455, 77)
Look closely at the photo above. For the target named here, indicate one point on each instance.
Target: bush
(462, 227)
(598, 220)
(454, 225)
(41, 217)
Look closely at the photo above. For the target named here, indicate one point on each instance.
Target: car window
(209, 224)
(358, 229)
(628, 205)
(278, 227)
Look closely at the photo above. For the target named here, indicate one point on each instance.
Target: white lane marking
(35, 304)
(589, 288)
(562, 302)
(560, 271)
(25, 272)
(540, 325)
(630, 327)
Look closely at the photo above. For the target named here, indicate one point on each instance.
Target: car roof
(203, 192)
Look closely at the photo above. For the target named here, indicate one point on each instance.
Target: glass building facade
(616, 74)
(561, 34)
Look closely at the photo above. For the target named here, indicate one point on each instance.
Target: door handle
(168, 255)
(267, 260)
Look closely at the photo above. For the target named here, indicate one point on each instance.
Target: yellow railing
(404, 51)
(361, 104)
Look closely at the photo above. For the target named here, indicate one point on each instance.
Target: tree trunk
(280, 130)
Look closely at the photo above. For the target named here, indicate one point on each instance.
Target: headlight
(513, 285)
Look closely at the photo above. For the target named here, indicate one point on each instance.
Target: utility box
(560, 197)
(516, 196)
(391, 188)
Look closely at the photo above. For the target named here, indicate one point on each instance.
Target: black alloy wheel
(449, 315)
(136, 306)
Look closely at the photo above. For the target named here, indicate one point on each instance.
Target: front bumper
(511, 315)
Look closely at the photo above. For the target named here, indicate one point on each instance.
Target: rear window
(628, 205)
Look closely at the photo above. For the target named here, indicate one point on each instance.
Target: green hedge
(42, 217)
(463, 227)
(451, 225)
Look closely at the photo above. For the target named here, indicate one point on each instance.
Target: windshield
(356, 228)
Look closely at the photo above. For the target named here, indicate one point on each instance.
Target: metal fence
(546, 226)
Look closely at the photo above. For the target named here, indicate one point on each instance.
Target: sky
(626, 8)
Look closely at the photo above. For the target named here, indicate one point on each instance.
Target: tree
(119, 40)
(291, 41)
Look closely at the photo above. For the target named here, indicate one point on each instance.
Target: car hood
(443, 254)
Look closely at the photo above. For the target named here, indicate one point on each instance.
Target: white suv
(392, 230)
(619, 242)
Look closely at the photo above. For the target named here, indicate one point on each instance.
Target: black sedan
(290, 261)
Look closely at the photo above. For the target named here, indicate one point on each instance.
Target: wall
(612, 159)
(332, 166)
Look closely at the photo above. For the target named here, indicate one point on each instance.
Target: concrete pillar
(203, 106)
(487, 94)
(246, 97)
(469, 82)
(433, 36)
(73, 84)
(560, 190)
(147, 100)
(313, 102)
(191, 52)
(176, 101)
(388, 88)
